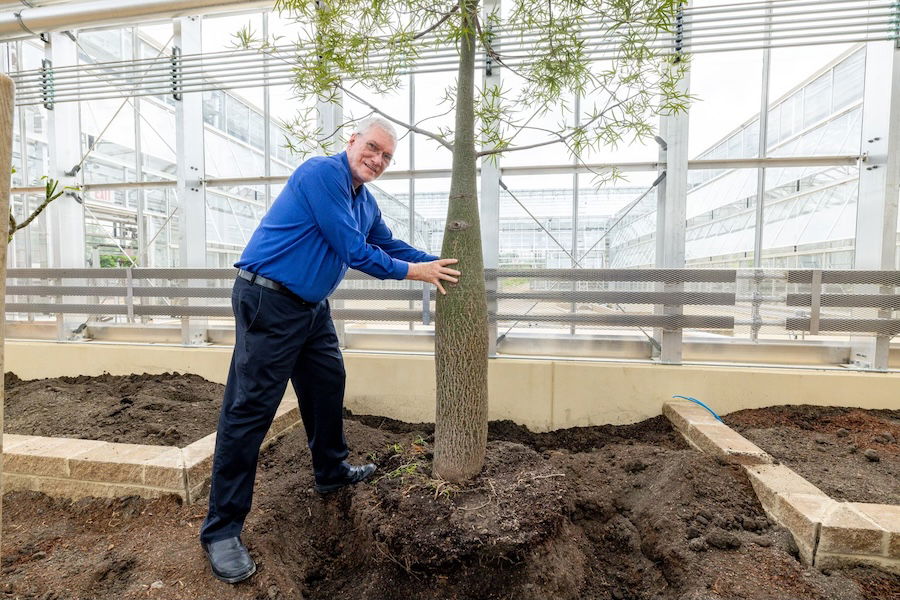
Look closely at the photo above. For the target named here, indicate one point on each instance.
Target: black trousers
(278, 337)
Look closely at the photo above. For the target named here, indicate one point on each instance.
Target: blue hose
(695, 401)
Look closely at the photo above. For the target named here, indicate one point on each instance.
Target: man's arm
(330, 207)
(382, 236)
(422, 266)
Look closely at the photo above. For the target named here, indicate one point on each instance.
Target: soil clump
(851, 454)
(159, 410)
(593, 513)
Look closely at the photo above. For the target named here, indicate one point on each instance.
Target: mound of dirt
(160, 410)
(850, 454)
(636, 516)
(612, 512)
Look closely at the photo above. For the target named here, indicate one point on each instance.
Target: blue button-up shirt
(318, 227)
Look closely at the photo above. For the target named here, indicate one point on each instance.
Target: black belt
(253, 278)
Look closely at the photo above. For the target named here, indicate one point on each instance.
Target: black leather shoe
(353, 475)
(229, 560)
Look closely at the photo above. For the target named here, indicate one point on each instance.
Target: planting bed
(156, 410)
(850, 454)
(602, 512)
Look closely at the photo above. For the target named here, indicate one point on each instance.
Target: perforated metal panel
(720, 302)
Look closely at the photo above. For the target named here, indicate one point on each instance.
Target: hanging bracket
(48, 92)
(176, 72)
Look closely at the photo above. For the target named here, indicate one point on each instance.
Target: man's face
(369, 154)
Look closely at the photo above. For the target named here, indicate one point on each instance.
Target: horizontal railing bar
(601, 297)
(891, 278)
(119, 291)
(635, 275)
(629, 297)
(669, 322)
(885, 301)
(881, 326)
(882, 277)
(701, 164)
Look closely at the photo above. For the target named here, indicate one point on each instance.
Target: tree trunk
(7, 96)
(461, 330)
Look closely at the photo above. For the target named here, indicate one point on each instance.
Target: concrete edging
(75, 468)
(828, 533)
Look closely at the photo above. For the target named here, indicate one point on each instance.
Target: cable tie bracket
(48, 90)
(176, 72)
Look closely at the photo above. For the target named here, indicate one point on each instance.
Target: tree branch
(438, 138)
(562, 138)
(438, 24)
(51, 195)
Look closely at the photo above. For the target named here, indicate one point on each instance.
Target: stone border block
(13, 482)
(11, 440)
(826, 560)
(166, 470)
(198, 462)
(704, 432)
(682, 414)
(847, 531)
(115, 463)
(887, 517)
(45, 456)
(76, 468)
(77, 489)
(827, 533)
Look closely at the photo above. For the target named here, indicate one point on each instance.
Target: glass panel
(721, 221)
(817, 99)
(849, 79)
(727, 87)
(632, 229)
(232, 214)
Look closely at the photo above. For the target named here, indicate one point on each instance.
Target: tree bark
(461, 343)
(7, 97)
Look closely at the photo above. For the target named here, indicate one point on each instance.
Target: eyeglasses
(376, 149)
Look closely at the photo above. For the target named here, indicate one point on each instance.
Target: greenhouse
(603, 295)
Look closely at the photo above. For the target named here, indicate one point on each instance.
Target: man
(324, 221)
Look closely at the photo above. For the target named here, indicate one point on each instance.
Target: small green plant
(395, 448)
(403, 471)
(50, 194)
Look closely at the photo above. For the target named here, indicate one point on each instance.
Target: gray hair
(369, 122)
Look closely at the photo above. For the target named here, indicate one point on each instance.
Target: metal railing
(718, 303)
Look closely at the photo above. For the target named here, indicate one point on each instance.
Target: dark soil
(159, 410)
(590, 513)
(850, 454)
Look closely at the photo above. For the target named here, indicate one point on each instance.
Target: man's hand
(434, 272)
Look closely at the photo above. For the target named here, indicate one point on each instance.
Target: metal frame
(887, 280)
(879, 183)
(189, 143)
(878, 180)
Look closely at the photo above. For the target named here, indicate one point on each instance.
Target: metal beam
(490, 197)
(736, 163)
(761, 153)
(29, 22)
(671, 215)
(879, 186)
(191, 192)
(65, 216)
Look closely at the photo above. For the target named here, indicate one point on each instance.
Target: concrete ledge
(828, 533)
(74, 468)
(543, 395)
